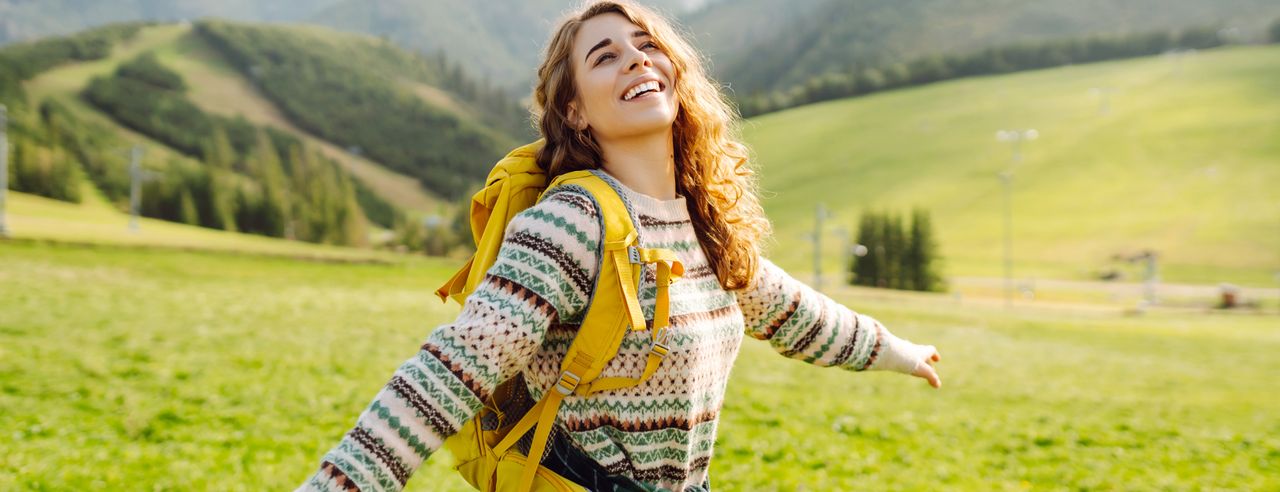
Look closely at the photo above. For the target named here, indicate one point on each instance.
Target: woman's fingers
(926, 371)
(931, 353)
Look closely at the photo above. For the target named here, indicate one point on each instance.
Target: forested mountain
(202, 98)
(501, 39)
(809, 38)
(27, 19)
(358, 92)
(755, 45)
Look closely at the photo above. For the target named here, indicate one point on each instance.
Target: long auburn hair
(712, 169)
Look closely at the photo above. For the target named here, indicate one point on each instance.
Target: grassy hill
(1184, 163)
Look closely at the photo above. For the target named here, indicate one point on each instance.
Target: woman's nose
(639, 59)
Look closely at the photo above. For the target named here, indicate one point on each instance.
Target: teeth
(651, 85)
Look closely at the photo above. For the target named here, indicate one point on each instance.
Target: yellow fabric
(513, 185)
(486, 458)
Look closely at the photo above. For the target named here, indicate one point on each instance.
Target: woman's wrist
(899, 355)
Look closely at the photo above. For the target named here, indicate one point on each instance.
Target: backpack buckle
(661, 344)
(567, 383)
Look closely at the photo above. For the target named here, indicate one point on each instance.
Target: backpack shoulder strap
(615, 303)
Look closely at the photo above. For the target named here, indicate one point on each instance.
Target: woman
(621, 92)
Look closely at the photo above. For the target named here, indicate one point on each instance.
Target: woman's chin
(650, 121)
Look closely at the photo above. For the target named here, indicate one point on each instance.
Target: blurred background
(222, 223)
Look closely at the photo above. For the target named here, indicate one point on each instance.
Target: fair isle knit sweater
(523, 316)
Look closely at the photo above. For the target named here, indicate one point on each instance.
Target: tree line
(332, 94)
(255, 179)
(22, 61)
(895, 254)
(995, 60)
(40, 162)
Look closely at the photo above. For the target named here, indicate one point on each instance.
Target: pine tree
(298, 226)
(912, 256)
(863, 268)
(924, 251)
(218, 153)
(219, 201)
(188, 214)
(266, 167)
(891, 251)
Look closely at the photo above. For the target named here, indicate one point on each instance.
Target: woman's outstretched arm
(804, 324)
(544, 272)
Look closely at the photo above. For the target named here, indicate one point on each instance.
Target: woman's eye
(649, 44)
(603, 57)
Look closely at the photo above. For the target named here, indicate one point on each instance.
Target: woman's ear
(576, 119)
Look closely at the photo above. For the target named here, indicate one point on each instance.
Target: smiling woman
(623, 97)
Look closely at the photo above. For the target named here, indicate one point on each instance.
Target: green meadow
(163, 369)
(1185, 162)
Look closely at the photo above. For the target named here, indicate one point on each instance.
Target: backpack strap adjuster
(567, 383)
(661, 342)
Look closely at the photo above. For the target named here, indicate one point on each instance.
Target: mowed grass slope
(94, 221)
(1187, 163)
(130, 369)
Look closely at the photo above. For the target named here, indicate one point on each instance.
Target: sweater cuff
(898, 355)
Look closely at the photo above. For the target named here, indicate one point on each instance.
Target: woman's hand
(925, 368)
(902, 356)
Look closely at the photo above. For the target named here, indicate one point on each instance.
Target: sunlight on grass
(146, 369)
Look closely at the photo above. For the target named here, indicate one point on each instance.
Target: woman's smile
(643, 90)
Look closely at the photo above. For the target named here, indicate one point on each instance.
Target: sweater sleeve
(804, 324)
(544, 271)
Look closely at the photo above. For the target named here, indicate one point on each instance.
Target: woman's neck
(646, 164)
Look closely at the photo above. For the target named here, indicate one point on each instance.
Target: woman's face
(625, 83)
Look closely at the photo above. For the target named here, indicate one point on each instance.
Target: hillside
(417, 87)
(755, 45)
(25, 20)
(1184, 164)
(763, 45)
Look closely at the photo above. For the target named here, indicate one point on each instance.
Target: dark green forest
(49, 152)
(19, 62)
(256, 180)
(996, 60)
(317, 89)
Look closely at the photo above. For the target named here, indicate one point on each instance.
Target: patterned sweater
(523, 316)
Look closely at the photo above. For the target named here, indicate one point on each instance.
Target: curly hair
(712, 166)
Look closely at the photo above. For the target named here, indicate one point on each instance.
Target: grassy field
(124, 368)
(1184, 163)
(95, 221)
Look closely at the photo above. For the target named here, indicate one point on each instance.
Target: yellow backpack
(485, 457)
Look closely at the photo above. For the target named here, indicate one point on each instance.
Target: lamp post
(137, 176)
(1104, 99)
(4, 167)
(135, 186)
(1015, 138)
